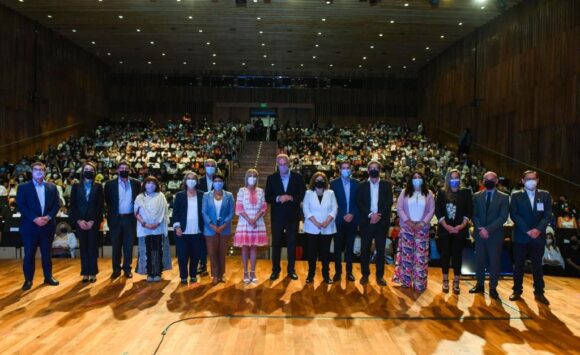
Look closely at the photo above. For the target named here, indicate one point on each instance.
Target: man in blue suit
(345, 189)
(531, 212)
(38, 203)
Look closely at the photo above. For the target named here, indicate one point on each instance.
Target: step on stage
(281, 317)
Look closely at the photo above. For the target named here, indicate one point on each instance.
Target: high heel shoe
(445, 286)
(246, 278)
(253, 277)
(456, 289)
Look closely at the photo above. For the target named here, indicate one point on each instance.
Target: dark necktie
(487, 201)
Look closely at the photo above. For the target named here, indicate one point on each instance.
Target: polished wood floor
(281, 317)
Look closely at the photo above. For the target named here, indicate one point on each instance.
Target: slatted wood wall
(523, 67)
(49, 87)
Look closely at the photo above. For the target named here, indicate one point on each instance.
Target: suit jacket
(320, 210)
(112, 198)
(87, 210)
(525, 217)
(202, 184)
(496, 216)
(338, 188)
(210, 216)
(180, 206)
(29, 207)
(384, 205)
(288, 211)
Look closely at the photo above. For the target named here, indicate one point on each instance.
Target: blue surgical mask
(210, 170)
(454, 183)
(283, 169)
(345, 173)
(417, 183)
(218, 185)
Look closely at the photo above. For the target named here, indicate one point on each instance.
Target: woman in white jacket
(319, 207)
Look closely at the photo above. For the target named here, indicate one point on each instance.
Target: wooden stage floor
(281, 317)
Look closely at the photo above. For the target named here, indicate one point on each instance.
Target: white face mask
(531, 184)
(190, 183)
(252, 180)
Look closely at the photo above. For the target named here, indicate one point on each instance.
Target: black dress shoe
(477, 289)
(327, 280)
(309, 279)
(128, 274)
(350, 277)
(51, 282)
(293, 276)
(93, 279)
(364, 280)
(381, 282)
(27, 285)
(115, 275)
(85, 280)
(515, 296)
(274, 276)
(493, 294)
(336, 278)
(542, 299)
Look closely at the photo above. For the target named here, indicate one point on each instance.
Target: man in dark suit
(206, 185)
(490, 211)
(86, 214)
(531, 212)
(120, 194)
(284, 191)
(38, 203)
(374, 200)
(345, 189)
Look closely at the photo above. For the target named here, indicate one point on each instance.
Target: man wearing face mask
(120, 194)
(374, 200)
(86, 213)
(531, 211)
(284, 192)
(38, 203)
(205, 184)
(345, 189)
(490, 211)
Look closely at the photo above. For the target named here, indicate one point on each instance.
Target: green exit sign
(263, 105)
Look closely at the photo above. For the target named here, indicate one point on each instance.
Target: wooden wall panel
(49, 87)
(527, 80)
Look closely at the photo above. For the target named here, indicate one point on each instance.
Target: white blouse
(192, 226)
(218, 206)
(417, 204)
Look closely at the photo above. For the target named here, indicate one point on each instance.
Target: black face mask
(319, 184)
(374, 173)
(90, 175)
(489, 184)
(63, 230)
(124, 174)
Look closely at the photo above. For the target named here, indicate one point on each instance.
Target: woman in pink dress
(251, 230)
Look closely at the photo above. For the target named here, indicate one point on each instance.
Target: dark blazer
(496, 216)
(112, 198)
(338, 188)
(464, 208)
(202, 184)
(289, 211)
(363, 201)
(81, 209)
(526, 218)
(180, 209)
(29, 206)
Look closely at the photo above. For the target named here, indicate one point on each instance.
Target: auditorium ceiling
(346, 38)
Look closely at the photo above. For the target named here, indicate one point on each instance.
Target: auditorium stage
(281, 317)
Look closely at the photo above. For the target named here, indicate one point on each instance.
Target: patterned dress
(251, 203)
(412, 260)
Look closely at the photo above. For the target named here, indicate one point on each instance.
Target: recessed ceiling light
(263, 44)
(313, 57)
(109, 53)
(184, 63)
(244, 64)
(442, 36)
(138, 30)
(427, 48)
(389, 67)
(213, 63)
(328, 2)
(316, 45)
(120, 62)
(483, 7)
(364, 58)
(208, 43)
(214, 55)
(392, 21)
(152, 42)
(190, 17)
(380, 35)
(121, 17)
(323, 19)
(260, 32)
(406, 4)
(200, 30)
(93, 42)
(319, 33)
(331, 65)
(460, 23)
(265, 56)
(49, 16)
(163, 54)
(21, 0)
(372, 47)
(258, 18)
(74, 30)
(360, 65)
(404, 67)
(301, 65)
(148, 62)
(414, 59)
(272, 64)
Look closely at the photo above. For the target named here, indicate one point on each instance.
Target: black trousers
(89, 248)
(318, 248)
(154, 255)
(189, 250)
(122, 238)
(451, 249)
(378, 232)
(33, 239)
(278, 228)
(488, 256)
(344, 241)
(535, 252)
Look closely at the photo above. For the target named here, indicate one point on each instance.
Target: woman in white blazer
(319, 207)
